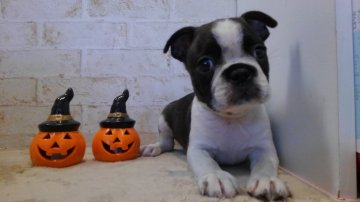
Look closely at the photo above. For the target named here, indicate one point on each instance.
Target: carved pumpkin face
(116, 144)
(57, 149)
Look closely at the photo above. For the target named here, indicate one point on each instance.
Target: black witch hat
(60, 119)
(118, 117)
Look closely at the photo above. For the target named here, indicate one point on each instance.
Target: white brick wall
(40, 63)
(147, 35)
(122, 63)
(97, 47)
(17, 91)
(41, 9)
(84, 35)
(18, 34)
(153, 9)
(204, 9)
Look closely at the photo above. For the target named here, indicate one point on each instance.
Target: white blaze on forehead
(229, 36)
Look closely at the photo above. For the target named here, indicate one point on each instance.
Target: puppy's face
(227, 61)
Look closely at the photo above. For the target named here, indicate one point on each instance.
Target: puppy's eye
(259, 51)
(205, 64)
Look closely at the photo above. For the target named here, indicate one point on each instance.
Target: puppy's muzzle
(239, 73)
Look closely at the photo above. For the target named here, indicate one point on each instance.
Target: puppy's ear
(259, 22)
(180, 42)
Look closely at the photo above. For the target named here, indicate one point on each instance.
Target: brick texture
(204, 9)
(158, 91)
(41, 9)
(153, 9)
(40, 63)
(126, 63)
(24, 93)
(84, 35)
(21, 34)
(147, 34)
(99, 48)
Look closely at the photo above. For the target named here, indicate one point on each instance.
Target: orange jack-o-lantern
(57, 149)
(116, 144)
(117, 140)
(59, 143)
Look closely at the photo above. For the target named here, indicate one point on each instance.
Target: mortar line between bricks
(1, 13)
(104, 20)
(37, 86)
(84, 8)
(83, 62)
(39, 33)
(127, 33)
(48, 48)
(236, 8)
(172, 9)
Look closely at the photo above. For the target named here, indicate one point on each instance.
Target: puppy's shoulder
(177, 116)
(179, 106)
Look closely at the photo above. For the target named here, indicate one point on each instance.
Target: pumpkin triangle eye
(109, 132)
(47, 136)
(67, 136)
(126, 132)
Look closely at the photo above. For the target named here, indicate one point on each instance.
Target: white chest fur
(229, 140)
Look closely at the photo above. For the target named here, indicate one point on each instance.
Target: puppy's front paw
(150, 150)
(219, 184)
(268, 189)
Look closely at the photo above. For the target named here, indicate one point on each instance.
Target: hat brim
(120, 122)
(59, 126)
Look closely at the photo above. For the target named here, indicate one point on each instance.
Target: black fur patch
(177, 115)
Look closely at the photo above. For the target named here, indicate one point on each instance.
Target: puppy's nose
(239, 73)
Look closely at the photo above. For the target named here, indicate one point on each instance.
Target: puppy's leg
(165, 141)
(263, 182)
(211, 179)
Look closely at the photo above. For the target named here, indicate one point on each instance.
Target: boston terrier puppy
(224, 121)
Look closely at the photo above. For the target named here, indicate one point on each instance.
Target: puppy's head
(226, 60)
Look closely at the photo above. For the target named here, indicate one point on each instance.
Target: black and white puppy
(224, 120)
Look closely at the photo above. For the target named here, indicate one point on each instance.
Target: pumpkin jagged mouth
(117, 150)
(56, 156)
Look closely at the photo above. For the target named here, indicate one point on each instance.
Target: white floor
(161, 179)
